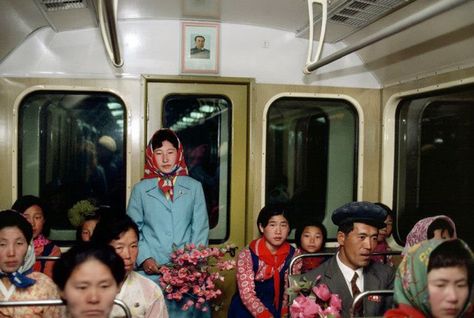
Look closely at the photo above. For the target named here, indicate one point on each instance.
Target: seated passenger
(33, 209)
(438, 227)
(433, 280)
(351, 271)
(86, 229)
(89, 277)
(141, 294)
(384, 234)
(310, 237)
(17, 281)
(262, 268)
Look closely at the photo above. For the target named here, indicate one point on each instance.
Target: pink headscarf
(419, 232)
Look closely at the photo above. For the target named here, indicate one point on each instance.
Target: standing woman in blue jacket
(168, 206)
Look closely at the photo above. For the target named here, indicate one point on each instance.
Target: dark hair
(112, 227)
(270, 210)
(439, 224)
(27, 201)
(199, 36)
(10, 218)
(346, 228)
(452, 253)
(385, 207)
(81, 253)
(164, 135)
(300, 229)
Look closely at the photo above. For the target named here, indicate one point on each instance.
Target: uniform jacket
(162, 222)
(376, 276)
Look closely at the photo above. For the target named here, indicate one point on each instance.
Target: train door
(211, 122)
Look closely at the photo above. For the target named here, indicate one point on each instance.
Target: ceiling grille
(57, 5)
(359, 13)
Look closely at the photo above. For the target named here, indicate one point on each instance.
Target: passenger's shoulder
(188, 181)
(381, 269)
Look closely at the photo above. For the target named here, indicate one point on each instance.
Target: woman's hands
(150, 266)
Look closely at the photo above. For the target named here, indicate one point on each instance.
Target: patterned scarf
(40, 241)
(165, 180)
(19, 278)
(411, 280)
(273, 262)
(419, 232)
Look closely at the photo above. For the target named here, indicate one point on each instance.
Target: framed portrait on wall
(200, 48)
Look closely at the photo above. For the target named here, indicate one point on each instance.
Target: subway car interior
(311, 103)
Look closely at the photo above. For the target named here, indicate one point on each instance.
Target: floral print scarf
(165, 180)
(419, 232)
(411, 280)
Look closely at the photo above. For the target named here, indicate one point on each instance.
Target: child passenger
(384, 234)
(311, 237)
(262, 268)
(433, 280)
(35, 212)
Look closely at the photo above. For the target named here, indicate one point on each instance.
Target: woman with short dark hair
(17, 280)
(142, 295)
(89, 277)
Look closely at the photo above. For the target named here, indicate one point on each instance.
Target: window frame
(389, 168)
(64, 89)
(359, 142)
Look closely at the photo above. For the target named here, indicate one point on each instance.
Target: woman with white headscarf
(17, 280)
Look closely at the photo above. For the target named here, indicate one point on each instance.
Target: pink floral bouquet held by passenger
(314, 302)
(192, 272)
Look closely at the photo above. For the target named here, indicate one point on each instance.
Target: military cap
(363, 212)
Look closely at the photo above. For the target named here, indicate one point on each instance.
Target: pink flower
(335, 302)
(303, 307)
(322, 292)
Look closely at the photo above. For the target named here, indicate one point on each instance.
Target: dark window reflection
(310, 157)
(72, 148)
(435, 167)
(203, 124)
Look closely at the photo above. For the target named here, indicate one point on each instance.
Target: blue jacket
(162, 222)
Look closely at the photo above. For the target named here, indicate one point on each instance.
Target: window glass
(71, 148)
(435, 170)
(203, 124)
(311, 147)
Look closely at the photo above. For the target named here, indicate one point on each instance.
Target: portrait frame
(200, 47)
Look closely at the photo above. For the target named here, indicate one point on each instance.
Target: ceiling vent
(348, 16)
(64, 15)
(56, 5)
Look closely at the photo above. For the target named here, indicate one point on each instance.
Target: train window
(203, 124)
(435, 170)
(71, 147)
(311, 147)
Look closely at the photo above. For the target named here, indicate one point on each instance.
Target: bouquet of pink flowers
(192, 272)
(313, 302)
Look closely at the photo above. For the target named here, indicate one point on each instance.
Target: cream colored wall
(369, 100)
(12, 90)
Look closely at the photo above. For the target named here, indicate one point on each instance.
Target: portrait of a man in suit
(199, 51)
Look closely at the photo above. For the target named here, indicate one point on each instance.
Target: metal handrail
(319, 254)
(361, 296)
(48, 258)
(420, 16)
(56, 302)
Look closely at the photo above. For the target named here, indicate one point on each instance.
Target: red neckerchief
(404, 311)
(165, 180)
(310, 263)
(273, 262)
